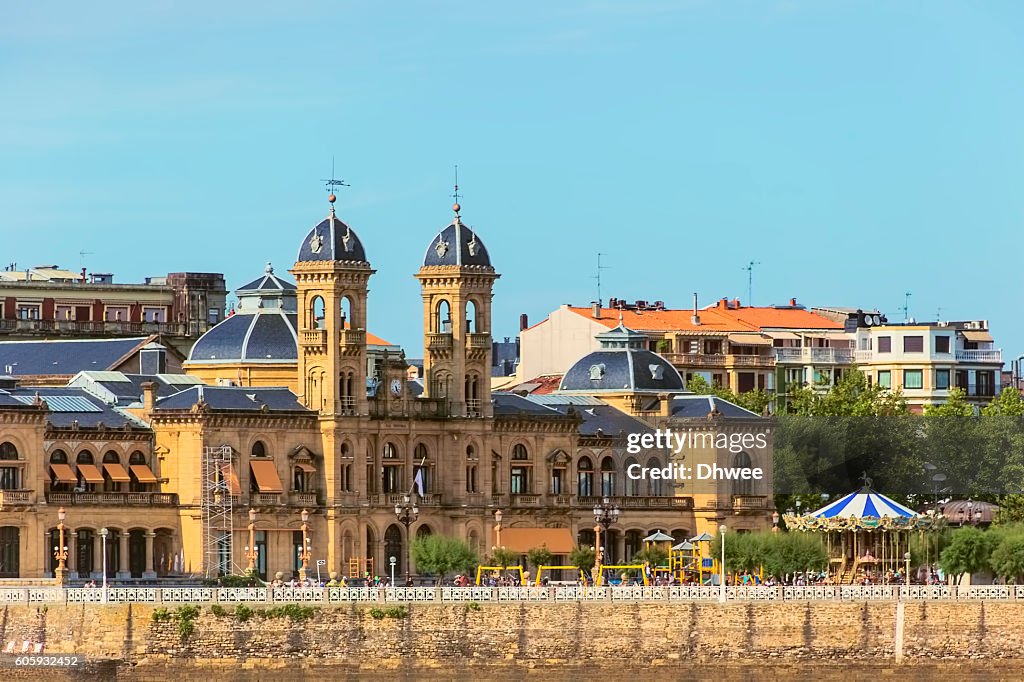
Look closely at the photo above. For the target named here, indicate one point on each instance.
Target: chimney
(83, 275)
(148, 396)
(792, 302)
(523, 322)
(696, 318)
(596, 310)
(724, 304)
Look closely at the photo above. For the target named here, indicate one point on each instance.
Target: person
(91, 584)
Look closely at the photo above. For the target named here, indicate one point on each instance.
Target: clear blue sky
(857, 150)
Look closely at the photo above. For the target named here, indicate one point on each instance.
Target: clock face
(396, 386)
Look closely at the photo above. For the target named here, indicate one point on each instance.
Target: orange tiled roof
(786, 318)
(542, 385)
(372, 339)
(715, 319)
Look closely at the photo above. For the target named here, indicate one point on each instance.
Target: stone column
(149, 571)
(72, 564)
(620, 547)
(122, 560)
(97, 556)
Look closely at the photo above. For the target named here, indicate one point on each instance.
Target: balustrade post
(149, 572)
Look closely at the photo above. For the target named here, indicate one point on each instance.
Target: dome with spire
(457, 244)
(332, 240)
(622, 365)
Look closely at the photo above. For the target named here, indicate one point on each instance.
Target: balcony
(473, 408)
(638, 502)
(814, 356)
(303, 499)
(11, 498)
(695, 359)
(314, 337)
(749, 502)
(417, 408)
(267, 499)
(114, 499)
(439, 342)
(347, 405)
(521, 500)
(352, 337)
(751, 360)
(109, 328)
(995, 356)
(478, 341)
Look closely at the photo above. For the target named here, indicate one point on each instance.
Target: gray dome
(457, 244)
(622, 370)
(331, 240)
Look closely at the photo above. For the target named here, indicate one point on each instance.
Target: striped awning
(90, 473)
(143, 474)
(116, 472)
(64, 473)
(267, 479)
(864, 504)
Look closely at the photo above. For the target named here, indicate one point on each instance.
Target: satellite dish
(877, 320)
(867, 320)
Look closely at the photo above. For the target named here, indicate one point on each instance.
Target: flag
(419, 482)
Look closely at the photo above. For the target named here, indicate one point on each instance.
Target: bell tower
(457, 282)
(331, 276)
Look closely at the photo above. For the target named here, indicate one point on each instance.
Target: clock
(396, 387)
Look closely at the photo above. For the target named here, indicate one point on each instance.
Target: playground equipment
(541, 569)
(522, 574)
(635, 567)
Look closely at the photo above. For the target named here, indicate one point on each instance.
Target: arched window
(471, 452)
(316, 313)
(8, 451)
(584, 477)
(607, 477)
(84, 457)
(345, 309)
(654, 488)
(112, 474)
(443, 317)
(471, 326)
(58, 457)
(9, 475)
(393, 548)
(346, 450)
(259, 449)
(137, 458)
(520, 452)
(632, 484)
(391, 476)
(742, 486)
(420, 453)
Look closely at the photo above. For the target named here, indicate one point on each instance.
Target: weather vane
(333, 182)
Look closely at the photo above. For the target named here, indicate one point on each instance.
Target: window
(884, 378)
(884, 344)
(654, 488)
(941, 344)
(28, 311)
(471, 479)
(154, 315)
(392, 479)
(259, 449)
(913, 344)
(986, 383)
(913, 378)
(557, 481)
(607, 477)
(213, 316)
(10, 547)
(519, 452)
(942, 379)
(584, 477)
(115, 313)
(742, 486)
(520, 480)
(8, 475)
(632, 484)
(345, 479)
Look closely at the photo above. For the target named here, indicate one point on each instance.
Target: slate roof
(699, 406)
(605, 420)
(618, 370)
(125, 390)
(233, 398)
(70, 405)
(63, 357)
(512, 405)
(268, 282)
(457, 244)
(331, 240)
(268, 336)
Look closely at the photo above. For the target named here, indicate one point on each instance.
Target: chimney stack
(523, 322)
(148, 396)
(696, 318)
(596, 310)
(792, 302)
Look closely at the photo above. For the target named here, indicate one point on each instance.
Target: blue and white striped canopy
(864, 504)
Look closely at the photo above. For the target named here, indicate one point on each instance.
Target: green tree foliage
(778, 553)
(851, 396)
(505, 557)
(968, 551)
(1007, 559)
(756, 401)
(1011, 510)
(654, 554)
(955, 406)
(582, 558)
(539, 556)
(439, 554)
(1009, 403)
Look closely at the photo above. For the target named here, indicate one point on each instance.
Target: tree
(505, 558)
(793, 552)
(653, 554)
(1009, 403)
(1007, 559)
(582, 558)
(539, 556)
(968, 551)
(439, 554)
(1011, 510)
(756, 401)
(955, 406)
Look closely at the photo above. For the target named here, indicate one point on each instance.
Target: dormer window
(597, 372)
(657, 372)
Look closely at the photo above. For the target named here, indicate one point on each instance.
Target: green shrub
(376, 613)
(243, 612)
(397, 612)
(186, 617)
(473, 606)
(161, 615)
(218, 610)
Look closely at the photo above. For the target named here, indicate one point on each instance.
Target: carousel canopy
(658, 536)
(865, 503)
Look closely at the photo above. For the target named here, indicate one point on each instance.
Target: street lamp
(497, 528)
(906, 558)
(60, 552)
(394, 560)
(721, 576)
(304, 555)
(799, 503)
(103, 534)
(407, 512)
(605, 514)
(250, 551)
(775, 521)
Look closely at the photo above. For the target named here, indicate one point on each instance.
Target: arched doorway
(393, 547)
(85, 562)
(10, 552)
(137, 552)
(163, 552)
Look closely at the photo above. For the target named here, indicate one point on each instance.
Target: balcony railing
(10, 498)
(416, 408)
(979, 356)
(266, 499)
(303, 499)
(827, 356)
(439, 342)
(749, 501)
(347, 405)
(114, 499)
(695, 359)
(478, 341)
(637, 501)
(352, 337)
(113, 328)
(473, 408)
(314, 337)
(751, 360)
(522, 500)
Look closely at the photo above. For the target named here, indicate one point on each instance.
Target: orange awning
(305, 466)
(267, 479)
(976, 335)
(143, 474)
(522, 540)
(231, 477)
(64, 473)
(117, 473)
(90, 473)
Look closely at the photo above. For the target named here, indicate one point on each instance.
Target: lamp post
(906, 558)
(775, 521)
(605, 515)
(407, 512)
(60, 552)
(970, 511)
(394, 560)
(103, 534)
(304, 554)
(721, 567)
(250, 551)
(497, 528)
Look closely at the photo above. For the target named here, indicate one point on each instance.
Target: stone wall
(523, 637)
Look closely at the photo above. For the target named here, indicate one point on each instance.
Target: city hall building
(296, 437)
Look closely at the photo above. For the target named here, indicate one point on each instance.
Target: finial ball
(331, 198)
(456, 207)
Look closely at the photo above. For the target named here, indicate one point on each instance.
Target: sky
(854, 151)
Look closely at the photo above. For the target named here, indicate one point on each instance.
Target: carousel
(867, 535)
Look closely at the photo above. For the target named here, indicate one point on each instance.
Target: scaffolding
(217, 511)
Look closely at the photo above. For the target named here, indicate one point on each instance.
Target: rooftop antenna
(906, 307)
(598, 276)
(332, 182)
(750, 280)
(938, 314)
(455, 195)
(82, 255)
